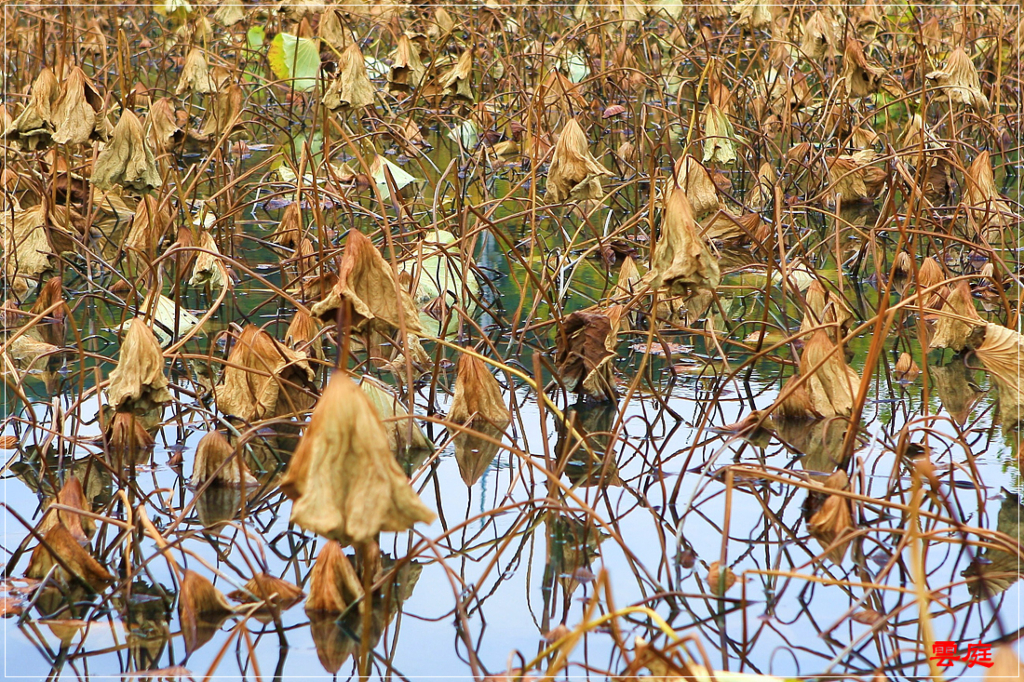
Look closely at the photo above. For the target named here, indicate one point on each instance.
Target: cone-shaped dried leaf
(719, 136)
(201, 609)
(367, 283)
(832, 386)
(211, 454)
(71, 495)
(720, 581)
(333, 583)
(478, 395)
(225, 114)
(289, 232)
(407, 71)
(404, 434)
(825, 308)
(834, 519)
(195, 75)
(680, 259)
(697, 184)
(959, 81)
(128, 438)
(26, 241)
(264, 378)
(585, 353)
(209, 269)
(458, 81)
(70, 556)
(333, 31)
(147, 228)
(303, 334)
(76, 114)
(629, 279)
(1002, 353)
(343, 479)
(955, 389)
(574, 174)
(851, 178)
(906, 369)
(138, 384)
(755, 14)
(796, 405)
(983, 195)
(352, 88)
(127, 160)
(958, 318)
(34, 126)
(861, 78)
(820, 38)
(272, 590)
(760, 196)
(162, 125)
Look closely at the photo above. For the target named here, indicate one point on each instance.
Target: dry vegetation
(679, 336)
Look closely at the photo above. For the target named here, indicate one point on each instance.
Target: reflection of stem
(920, 575)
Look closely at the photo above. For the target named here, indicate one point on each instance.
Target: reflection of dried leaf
(352, 88)
(955, 390)
(478, 395)
(211, 454)
(995, 570)
(680, 259)
(834, 519)
(574, 173)
(719, 581)
(585, 353)
(264, 378)
(72, 557)
(127, 159)
(201, 610)
(333, 583)
(343, 479)
(958, 318)
(474, 452)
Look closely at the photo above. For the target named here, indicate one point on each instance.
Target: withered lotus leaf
(720, 579)
(458, 81)
(906, 369)
(264, 378)
(147, 227)
(404, 434)
(851, 177)
(756, 14)
(697, 184)
(343, 478)
(958, 318)
(225, 114)
(407, 70)
(982, 195)
(333, 583)
(823, 307)
(290, 230)
(585, 353)
(833, 385)
(629, 279)
(26, 242)
(80, 526)
(959, 81)
(216, 459)
(1002, 352)
(1006, 665)
(201, 609)
(796, 403)
(128, 437)
(478, 395)
(229, 12)
(270, 589)
(352, 88)
(681, 259)
(162, 125)
(303, 334)
(861, 78)
(725, 228)
(719, 135)
(332, 30)
(138, 382)
(127, 159)
(834, 519)
(195, 75)
(367, 283)
(209, 268)
(820, 38)
(72, 558)
(76, 115)
(34, 126)
(574, 173)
